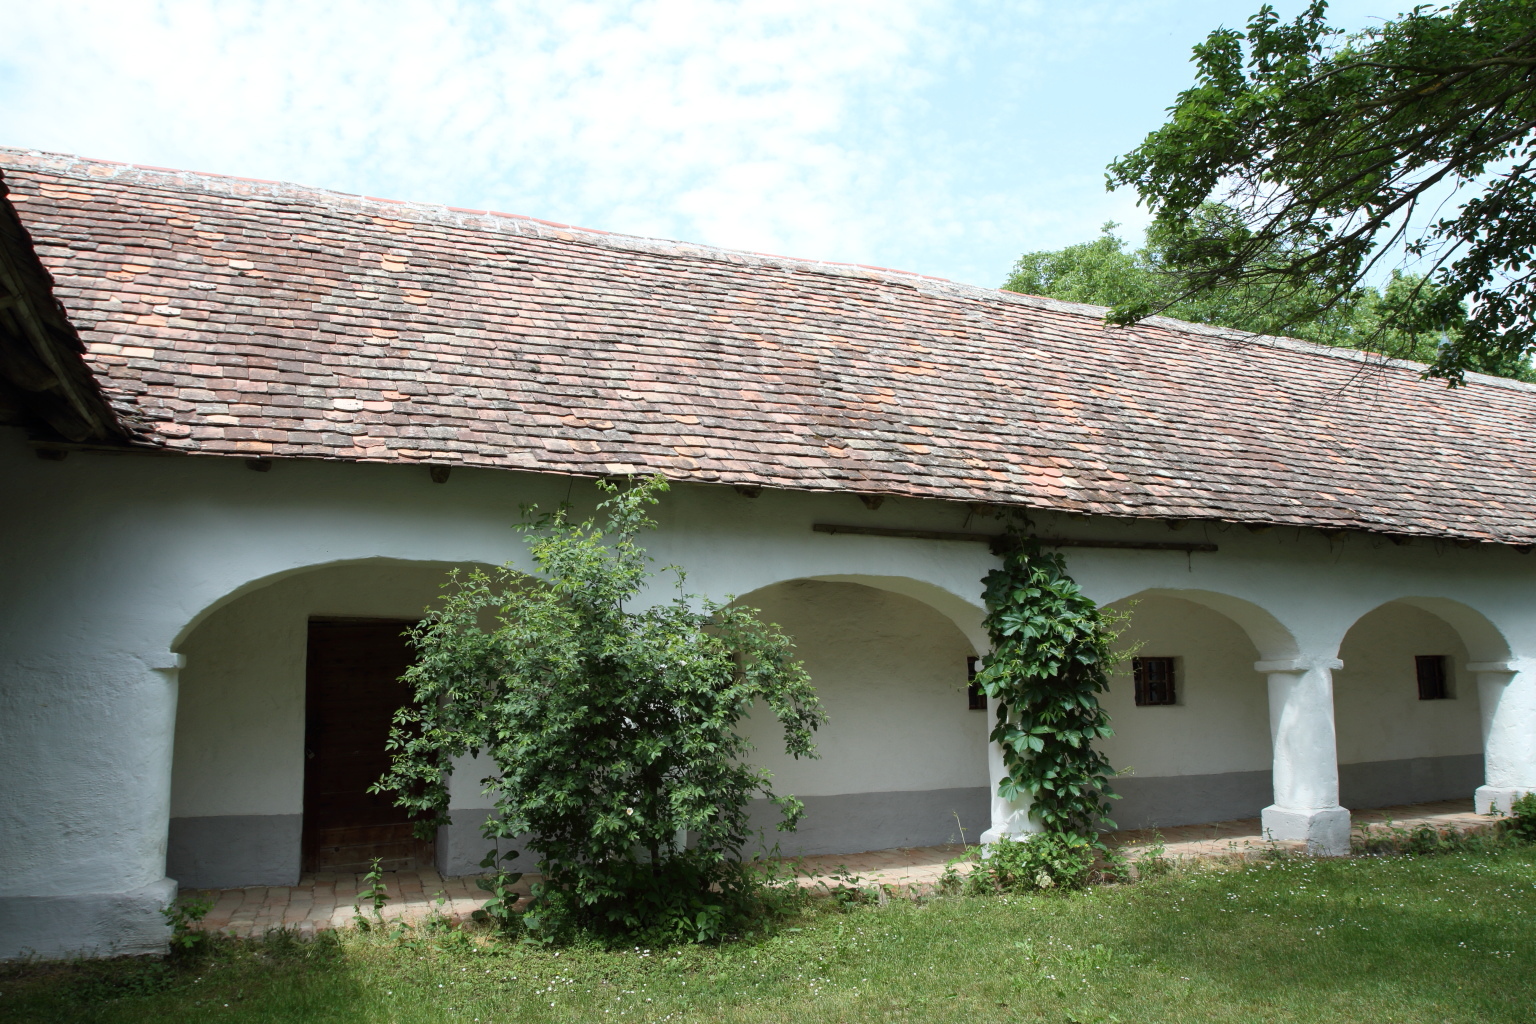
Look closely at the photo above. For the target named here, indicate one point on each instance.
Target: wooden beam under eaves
(43, 374)
(1002, 538)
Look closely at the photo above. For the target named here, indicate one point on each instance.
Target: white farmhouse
(250, 426)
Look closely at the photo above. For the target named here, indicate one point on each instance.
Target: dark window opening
(978, 700)
(1431, 672)
(1154, 681)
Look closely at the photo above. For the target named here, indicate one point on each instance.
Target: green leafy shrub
(1048, 860)
(1522, 819)
(1389, 838)
(1154, 860)
(501, 909)
(612, 727)
(183, 917)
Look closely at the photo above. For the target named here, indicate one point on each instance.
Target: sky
(942, 138)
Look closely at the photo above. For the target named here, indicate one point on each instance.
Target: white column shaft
(1507, 698)
(1306, 760)
(1009, 817)
(1306, 764)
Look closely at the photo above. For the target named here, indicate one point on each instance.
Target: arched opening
(246, 715)
(1193, 731)
(1273, 640)
(1406, 713)
(902, 758)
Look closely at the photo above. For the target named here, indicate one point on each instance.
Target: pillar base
(88, 924)
(1325, 830)
(1496, 799)
(1015, 830)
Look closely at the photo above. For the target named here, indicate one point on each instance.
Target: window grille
(977, 699)
(1154, 681)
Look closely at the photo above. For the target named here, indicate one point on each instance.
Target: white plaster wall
(111, 562)
(891, 675)
(1377, 712)
(1221, 721)
(240, 720)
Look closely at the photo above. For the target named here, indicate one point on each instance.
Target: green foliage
(375, 894)
(1049, 662)
(1104, 272)
(1340, 151)
(501, 909)
(1154, 860)
(1522, 819)
(1100, 272)
(846, 890)
(183, 916)
(1049, 860)
(612, 727)
(1389, 838)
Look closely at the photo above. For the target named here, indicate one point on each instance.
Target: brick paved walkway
(326, 900)
(1243, 838)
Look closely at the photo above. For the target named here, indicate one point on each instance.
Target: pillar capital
(167, 661)
(1303, 664)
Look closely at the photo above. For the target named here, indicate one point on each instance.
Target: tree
(1105, 273)
(1338, 152)
(612, 729)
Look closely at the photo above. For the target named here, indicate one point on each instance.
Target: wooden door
(352, 691)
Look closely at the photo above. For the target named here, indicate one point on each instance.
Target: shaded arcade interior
(903, 757)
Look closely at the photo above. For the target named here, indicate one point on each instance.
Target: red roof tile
(241, 318)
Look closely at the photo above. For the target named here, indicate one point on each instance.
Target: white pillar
(1306, 760)
(87, 754)
(1506, 694)
(1009, 817)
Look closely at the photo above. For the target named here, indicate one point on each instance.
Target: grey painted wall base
(1165, 801)
(87, 924)
(235, 850)
(1413, 780)
(242, 850)
(461, 847)
(854, 822)
(847, 823)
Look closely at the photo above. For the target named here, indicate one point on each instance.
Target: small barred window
(1431, 672)
(1154, 681)
(978, 700)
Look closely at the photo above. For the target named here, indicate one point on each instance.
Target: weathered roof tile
(237, 317)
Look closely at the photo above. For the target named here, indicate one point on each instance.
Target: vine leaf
(1051, 653)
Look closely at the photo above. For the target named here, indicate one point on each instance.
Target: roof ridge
(190, 180)
(73, 165)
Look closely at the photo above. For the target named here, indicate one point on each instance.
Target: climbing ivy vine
(1050, 660)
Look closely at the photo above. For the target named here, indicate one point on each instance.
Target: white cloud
(803, 127)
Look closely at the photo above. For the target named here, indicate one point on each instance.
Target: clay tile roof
(236, 317)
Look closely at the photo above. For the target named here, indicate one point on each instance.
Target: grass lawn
(1436, 938)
